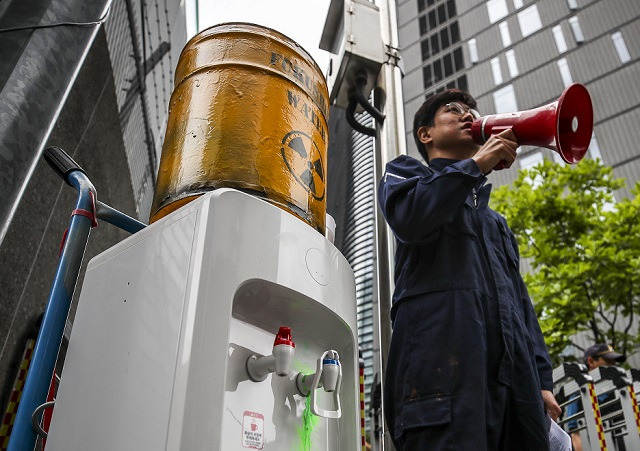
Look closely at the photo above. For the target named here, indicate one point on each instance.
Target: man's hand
(551, 405)
(500, 148)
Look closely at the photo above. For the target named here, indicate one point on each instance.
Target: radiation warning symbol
(302, 157)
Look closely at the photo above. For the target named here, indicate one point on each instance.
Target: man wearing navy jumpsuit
(467, 368)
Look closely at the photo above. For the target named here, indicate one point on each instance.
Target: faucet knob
(283, 349)
(258, 368)
(329, 373)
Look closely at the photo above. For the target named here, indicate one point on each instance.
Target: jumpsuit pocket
(433, 410)
(462, 222)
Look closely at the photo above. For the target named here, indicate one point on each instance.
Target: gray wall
(89, 130)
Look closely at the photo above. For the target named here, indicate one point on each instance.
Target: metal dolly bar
(83, 218)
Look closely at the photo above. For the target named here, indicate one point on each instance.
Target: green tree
(584, 250)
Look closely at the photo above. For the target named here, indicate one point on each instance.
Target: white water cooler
(181, 329)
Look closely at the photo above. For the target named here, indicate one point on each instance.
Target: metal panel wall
(539, 49)
(359, 241)
(538, 87)
(603, 17)
(616, 93)
(619, 147)
(152, 47)
(482, 82)
(410, 110)
(412, 84)
(473, 20)
(407, 11)
(467, 5)
(412, 60)
(409, 33)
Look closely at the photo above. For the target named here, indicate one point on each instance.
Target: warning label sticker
(252, 430)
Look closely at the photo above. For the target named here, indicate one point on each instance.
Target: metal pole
(140, 74)
(390, 144)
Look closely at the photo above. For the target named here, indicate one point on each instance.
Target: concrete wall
(89, 130)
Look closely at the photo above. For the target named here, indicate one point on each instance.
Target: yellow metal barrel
(249, 111)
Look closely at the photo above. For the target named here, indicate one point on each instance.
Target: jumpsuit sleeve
(542, 359)
(415, 200)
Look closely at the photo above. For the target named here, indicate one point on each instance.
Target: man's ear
(424, 134)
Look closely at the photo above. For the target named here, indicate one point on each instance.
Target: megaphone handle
(495, 130)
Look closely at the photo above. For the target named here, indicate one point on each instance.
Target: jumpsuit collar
(439, 164)
(482, 191)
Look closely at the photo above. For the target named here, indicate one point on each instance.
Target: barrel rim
(286, 38)
(323, 110)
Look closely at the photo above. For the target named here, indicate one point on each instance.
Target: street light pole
(390, 144)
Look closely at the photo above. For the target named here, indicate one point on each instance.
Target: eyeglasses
(460, 109)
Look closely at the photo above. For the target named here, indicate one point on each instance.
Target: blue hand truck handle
(45, 353)
(61, 162)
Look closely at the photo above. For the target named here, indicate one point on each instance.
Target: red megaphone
(564, 125)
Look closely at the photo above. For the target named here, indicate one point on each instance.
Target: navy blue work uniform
(467, 360)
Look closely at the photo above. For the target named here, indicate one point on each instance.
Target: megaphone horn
(564, 126)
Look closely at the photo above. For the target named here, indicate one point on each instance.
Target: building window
(447, 62)
(444, 38)
(573, 4)
(457, 59)
(442, 68)
(505, 100)
(565, 73)
(424, 47)
(517, 4)
(437, 16)
(529, 20)
(504, 34)
(451, 8)
(435, 44)
(558, 35)
(437, 71)
(455, 32)
(511, 63)
(497, 10)
(473, 50)
(423, 4)
(621, 47)
(440, 40)
(462, 83)
(577, 30)
(497, 72)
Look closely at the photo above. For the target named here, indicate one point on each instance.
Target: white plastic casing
(168, 318)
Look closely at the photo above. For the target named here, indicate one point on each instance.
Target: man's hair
(427, 112)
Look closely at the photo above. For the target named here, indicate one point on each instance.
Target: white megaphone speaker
(564, 126)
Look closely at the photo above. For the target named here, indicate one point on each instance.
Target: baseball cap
(604, 350)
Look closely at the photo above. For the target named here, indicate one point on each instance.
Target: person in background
(598, 355)
(467, 367)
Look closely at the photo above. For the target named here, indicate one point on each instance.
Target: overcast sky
(301, 20)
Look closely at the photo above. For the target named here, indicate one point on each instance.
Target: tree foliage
(584, 251)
